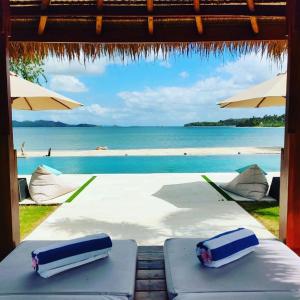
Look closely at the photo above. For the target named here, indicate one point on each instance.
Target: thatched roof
(137, 27)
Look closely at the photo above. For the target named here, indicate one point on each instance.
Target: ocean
(75, 138)
(72, 138)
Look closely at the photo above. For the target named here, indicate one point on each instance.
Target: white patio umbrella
(267, 94)
(30, 96)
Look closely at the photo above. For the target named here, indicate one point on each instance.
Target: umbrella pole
(9, 207)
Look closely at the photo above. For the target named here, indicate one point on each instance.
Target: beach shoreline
(154, 152)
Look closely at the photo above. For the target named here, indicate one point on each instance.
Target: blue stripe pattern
(226, 247)
(63, 250)
(234, 247)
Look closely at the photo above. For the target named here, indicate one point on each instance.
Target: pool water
(150, 164)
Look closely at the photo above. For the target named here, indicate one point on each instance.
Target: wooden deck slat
(150, 274)
(151, 256)
(150, 249)
(150, 285)
(151, 295)
(150, 265)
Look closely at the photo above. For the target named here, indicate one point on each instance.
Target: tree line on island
(44, 123)
(265, 121)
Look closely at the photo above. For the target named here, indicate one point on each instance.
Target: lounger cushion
(113, 276)
(252, 184)
(44, 185)
(238, 296)
(271, 267)
(63, 297)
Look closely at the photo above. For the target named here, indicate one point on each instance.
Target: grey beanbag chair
(252, 183)
(111, 278)
(45, 185)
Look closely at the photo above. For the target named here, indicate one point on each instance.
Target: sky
(154, 91)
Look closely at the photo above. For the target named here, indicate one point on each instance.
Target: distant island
(43, 123)
(266, 121)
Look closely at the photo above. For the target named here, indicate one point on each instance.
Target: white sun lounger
(241, 296)
(111, 278)
(271, 272)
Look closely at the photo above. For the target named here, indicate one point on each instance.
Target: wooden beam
(150, 25)
(251, 5)
(254, 25)
(163, 34)
(43, 19)
(42, 24)
(253, 19)
(150, 8)
(99, 20)
(9, 212)
(197, 5)
(150, 5)
(211, 11)
(198, 19)
(290, 192)
(100, 4)
(199, 24)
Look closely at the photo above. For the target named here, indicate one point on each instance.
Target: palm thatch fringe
(73, 51)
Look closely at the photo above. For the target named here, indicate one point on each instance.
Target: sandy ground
(148, 208)
(158, 152)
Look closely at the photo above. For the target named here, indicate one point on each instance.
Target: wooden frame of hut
(71, 28)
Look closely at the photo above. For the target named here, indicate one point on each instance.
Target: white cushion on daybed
(62, 297)
(252, 184)
(113, 276)
(272, 267)
(45, 185)
(242, 295)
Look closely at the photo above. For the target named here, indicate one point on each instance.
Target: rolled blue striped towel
(56, 258)
(226, 247)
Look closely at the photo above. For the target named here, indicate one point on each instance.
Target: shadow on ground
(188, 195)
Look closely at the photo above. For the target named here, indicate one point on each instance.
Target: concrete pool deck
(148, 208)
(156, 152)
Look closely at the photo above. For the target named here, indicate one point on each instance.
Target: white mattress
(273, 267)
(63, 297)
(241, 295)
(113, 276)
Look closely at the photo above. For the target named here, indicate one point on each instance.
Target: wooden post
(99, 19)
(150, 8)
(9, 207)
(290, 187)
(43, 19)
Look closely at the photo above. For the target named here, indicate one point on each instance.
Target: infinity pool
(150, 164)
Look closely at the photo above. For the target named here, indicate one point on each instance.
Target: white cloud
(77, 67)
(96, 109)
(251, 69)
(67, 83)
(180, 104)
(184, 74)
(165, 64)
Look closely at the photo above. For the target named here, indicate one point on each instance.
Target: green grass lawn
(266, 213)
(31, 216)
